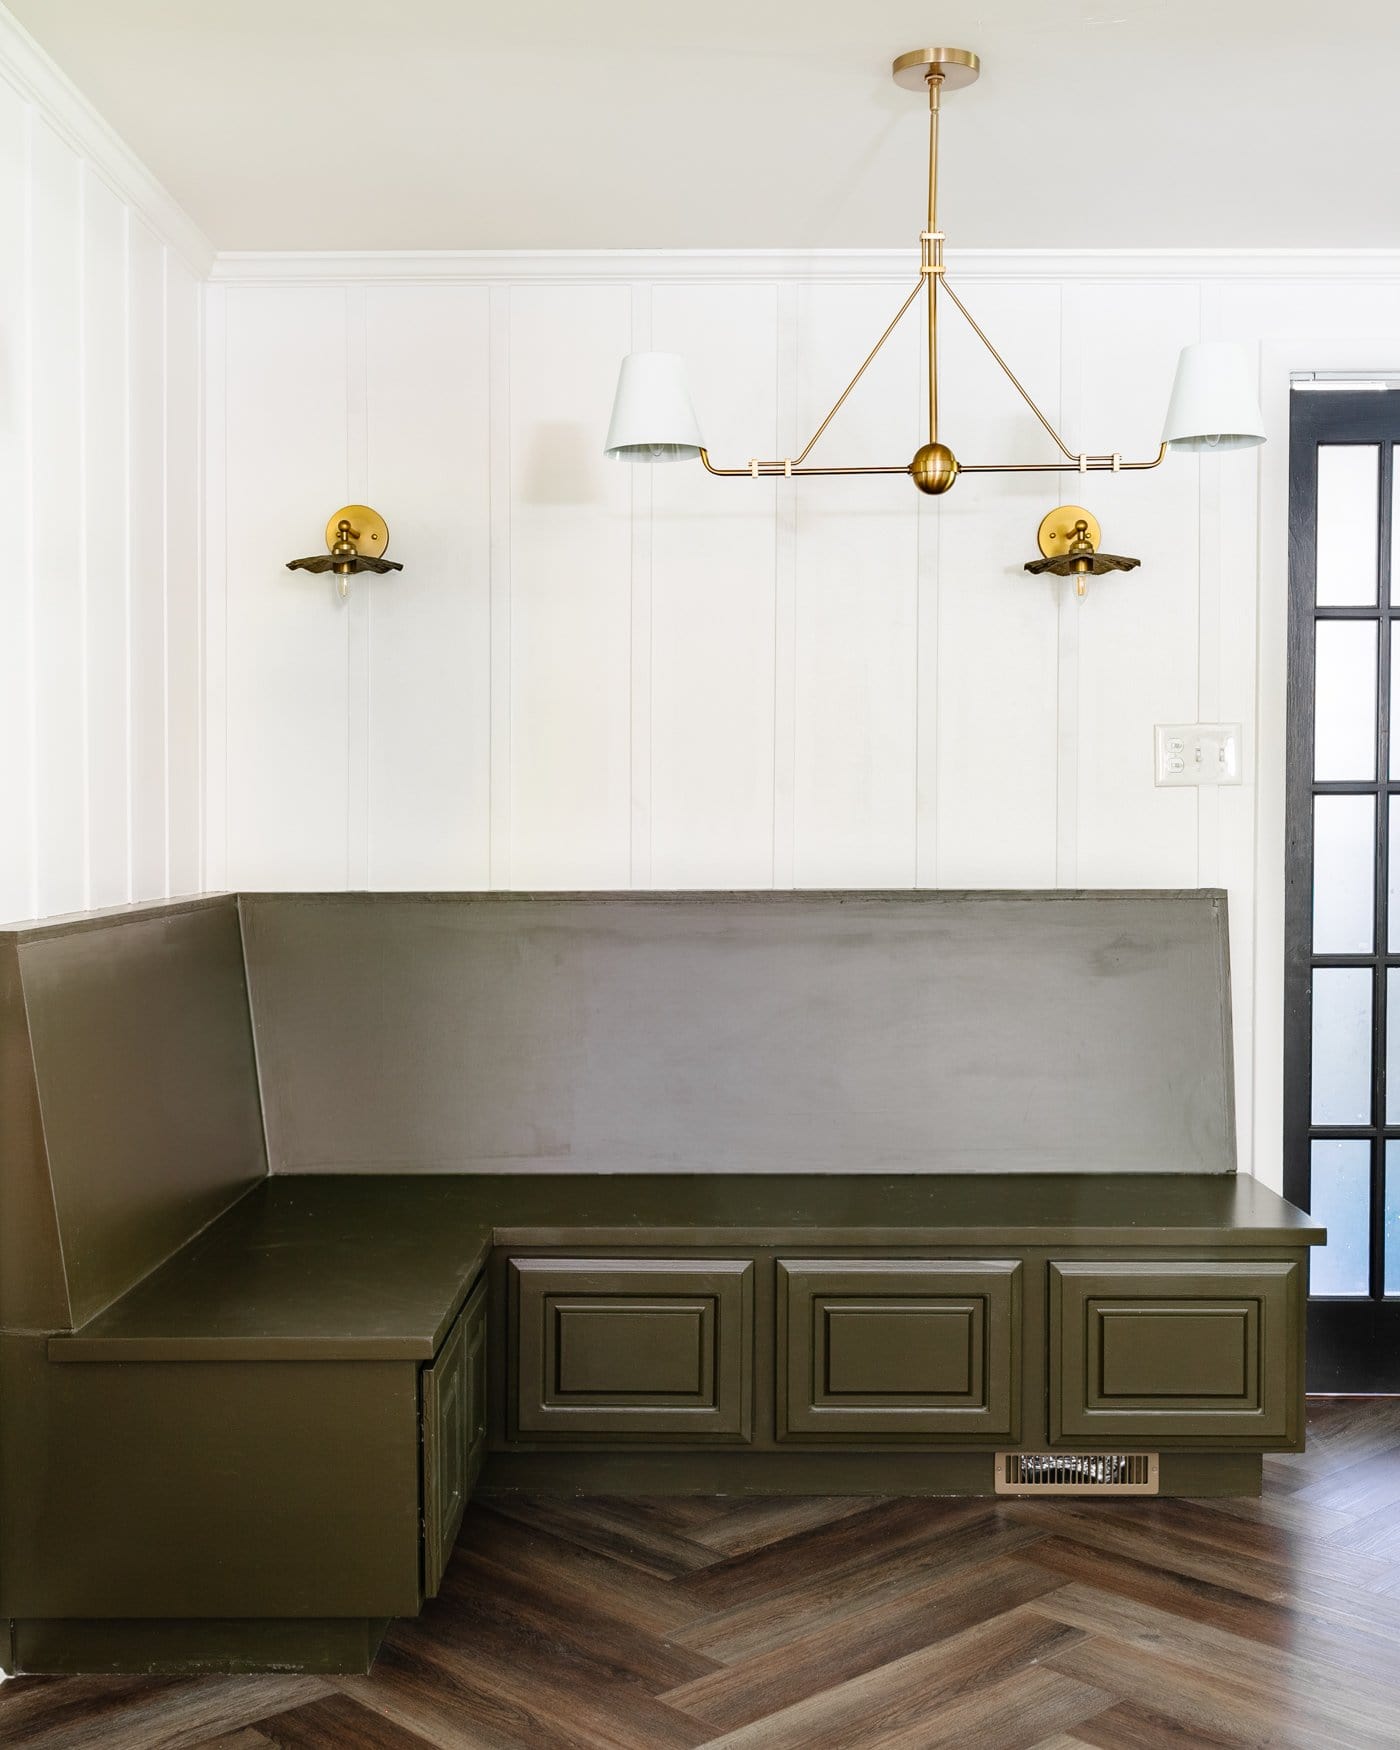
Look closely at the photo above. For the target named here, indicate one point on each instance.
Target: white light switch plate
(1198, 753)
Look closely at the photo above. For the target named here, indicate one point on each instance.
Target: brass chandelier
(1213, 404)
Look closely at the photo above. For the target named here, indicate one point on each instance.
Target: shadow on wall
(562, 463)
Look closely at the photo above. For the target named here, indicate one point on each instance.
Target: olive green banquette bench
(319, 1211)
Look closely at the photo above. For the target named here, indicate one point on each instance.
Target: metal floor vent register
(1076, 1473)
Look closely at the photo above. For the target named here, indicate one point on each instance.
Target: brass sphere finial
(934, 468)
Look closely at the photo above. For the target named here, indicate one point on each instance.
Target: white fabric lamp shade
(652, 417)
(1215, 399)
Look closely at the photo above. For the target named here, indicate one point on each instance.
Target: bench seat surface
(341, 1268)
(363, 1267)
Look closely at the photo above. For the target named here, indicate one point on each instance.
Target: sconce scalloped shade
(1215, 399)
(653, 419)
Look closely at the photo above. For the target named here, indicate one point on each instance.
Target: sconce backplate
(1056, 536)
(368, 530)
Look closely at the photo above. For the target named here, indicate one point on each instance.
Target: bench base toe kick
(273, 1509)
(193, 1646)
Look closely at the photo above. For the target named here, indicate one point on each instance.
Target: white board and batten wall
(101, 669)
(596, 676)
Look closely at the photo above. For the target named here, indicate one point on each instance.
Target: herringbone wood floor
(850, 1624)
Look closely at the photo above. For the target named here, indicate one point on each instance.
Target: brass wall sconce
(1069, 537)
(356, 537)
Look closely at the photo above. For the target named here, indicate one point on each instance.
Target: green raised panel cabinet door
(453, 1434)
(654, 1349)
(1164, 1352)
(897, 1348)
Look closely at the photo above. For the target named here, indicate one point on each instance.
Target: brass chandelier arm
(1015, 381)
(790, 470)
(1075, 465)
(869, 360)
(792, 465)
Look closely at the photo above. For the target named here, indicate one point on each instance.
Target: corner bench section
(290, 1416)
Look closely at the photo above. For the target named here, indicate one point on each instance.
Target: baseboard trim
(818, 1473)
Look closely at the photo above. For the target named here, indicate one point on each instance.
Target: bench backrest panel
(142, 1059)
(773, 1032)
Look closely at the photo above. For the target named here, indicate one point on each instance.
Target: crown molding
(42, 83)
(593, 266)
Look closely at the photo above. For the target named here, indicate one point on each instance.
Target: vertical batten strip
(1208, 637)
(84, 710)
(360, 605)
(641, 631)
(128, 404)
(1067, 623)
(165, 561)
(18, 836)
(499, 394)
(785, 597)
(31, 627)
(197, 582)
(214, 785)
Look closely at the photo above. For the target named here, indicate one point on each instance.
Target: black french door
(1342, 920)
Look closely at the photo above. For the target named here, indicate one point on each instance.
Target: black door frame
(1353, 1342)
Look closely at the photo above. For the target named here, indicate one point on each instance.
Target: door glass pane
(1345, 745)
(1394, 687)
(1393, 880)
(1392, 1045)
(1344, 882)
(1394, 524)
(1392, 1218)
(1348, 494)
(1341, 1201)
(1341, 1045)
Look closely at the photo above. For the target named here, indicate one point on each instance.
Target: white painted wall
(590, 675)
(100, 603)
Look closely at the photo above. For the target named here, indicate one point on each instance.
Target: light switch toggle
(1198, 753)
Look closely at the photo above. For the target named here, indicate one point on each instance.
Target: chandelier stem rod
(935, 83)
(1015, 381)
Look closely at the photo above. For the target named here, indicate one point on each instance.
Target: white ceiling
(454, 124)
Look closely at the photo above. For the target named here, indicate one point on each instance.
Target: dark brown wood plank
(860, 1642)
(337, 1723)
(601, 1526)
(537, 1552)
(1014, 1714)
(856, 1540)
(821, 1600)
(903, 1692)
(1127, 1727)
(134, 1713)
(1178, 1689)
(586, 1624)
